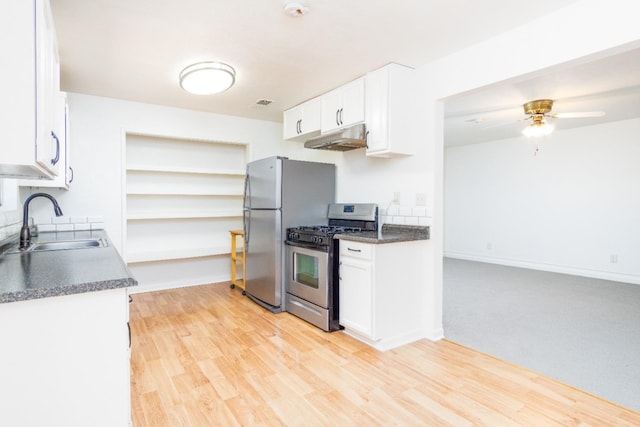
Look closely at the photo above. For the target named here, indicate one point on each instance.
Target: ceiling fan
(540, 110)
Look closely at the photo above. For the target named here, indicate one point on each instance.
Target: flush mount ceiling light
(207, 78)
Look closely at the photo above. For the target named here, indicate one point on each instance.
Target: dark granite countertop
(43, 274)
(390, 233)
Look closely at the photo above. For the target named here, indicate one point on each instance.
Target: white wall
(567, 209)
(97, 126)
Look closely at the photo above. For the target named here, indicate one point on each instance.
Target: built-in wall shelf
(163, 192)
(182, 197)
(169, 254)
(133, 216)
(185, 170)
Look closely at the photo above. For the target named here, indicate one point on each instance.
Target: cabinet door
(344, 106)
(352, 103)
(389, 111)
(48, 147)
(303, 121)
(73, 361)
(61, 130)
(291, 122)
(377, 120)
(31, 82)
(311, 117)
(356, 296)
(331, 104)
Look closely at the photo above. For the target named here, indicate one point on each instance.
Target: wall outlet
(613, 258)
(396, 197)
(421, 199)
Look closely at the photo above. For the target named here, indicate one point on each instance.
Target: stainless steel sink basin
(68, 244)
(61, 245)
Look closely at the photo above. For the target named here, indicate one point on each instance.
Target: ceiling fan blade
(510, 122)
(578, 115)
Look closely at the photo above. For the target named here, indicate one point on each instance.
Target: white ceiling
(135, 49)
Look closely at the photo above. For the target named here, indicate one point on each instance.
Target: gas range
(320, 235)
(312, 263)
(343, 218)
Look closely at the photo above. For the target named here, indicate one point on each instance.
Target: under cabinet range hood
(341, 140)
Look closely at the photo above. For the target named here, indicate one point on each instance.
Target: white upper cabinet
(303, 121)
(344, 106)
(29, 145)
(62, 131)
(389, 111)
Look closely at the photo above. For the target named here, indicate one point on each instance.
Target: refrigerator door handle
(246, 212)
(246, 202)
(246, 227)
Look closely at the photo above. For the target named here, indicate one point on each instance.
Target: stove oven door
(308, 274)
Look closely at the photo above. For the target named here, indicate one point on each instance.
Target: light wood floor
(208, 356)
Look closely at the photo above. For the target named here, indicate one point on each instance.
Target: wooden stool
(237, 259)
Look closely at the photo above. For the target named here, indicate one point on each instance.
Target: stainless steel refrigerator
(280, 193)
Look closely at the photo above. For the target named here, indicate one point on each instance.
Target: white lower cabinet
(65, 361)
(382, 292)
(356, 295)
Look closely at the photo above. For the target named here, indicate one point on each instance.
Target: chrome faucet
(25, 233)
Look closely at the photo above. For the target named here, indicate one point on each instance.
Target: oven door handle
(310, 246)
(305, 307)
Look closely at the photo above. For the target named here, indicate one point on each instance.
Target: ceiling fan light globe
(537, 129)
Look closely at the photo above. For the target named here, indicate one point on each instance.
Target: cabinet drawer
(356, 249)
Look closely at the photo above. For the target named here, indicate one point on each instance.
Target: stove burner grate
(326, 229)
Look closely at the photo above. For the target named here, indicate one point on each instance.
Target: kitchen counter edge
(390, 233)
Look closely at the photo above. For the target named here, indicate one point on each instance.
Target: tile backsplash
(10, 223)
(407, 215)
(70, 223)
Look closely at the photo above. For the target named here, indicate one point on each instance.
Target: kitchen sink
(60, 245)
(67, 244)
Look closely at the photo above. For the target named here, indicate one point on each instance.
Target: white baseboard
(435, 335)
(554, 268)
(389, 342)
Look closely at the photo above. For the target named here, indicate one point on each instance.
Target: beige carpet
(582, 331)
